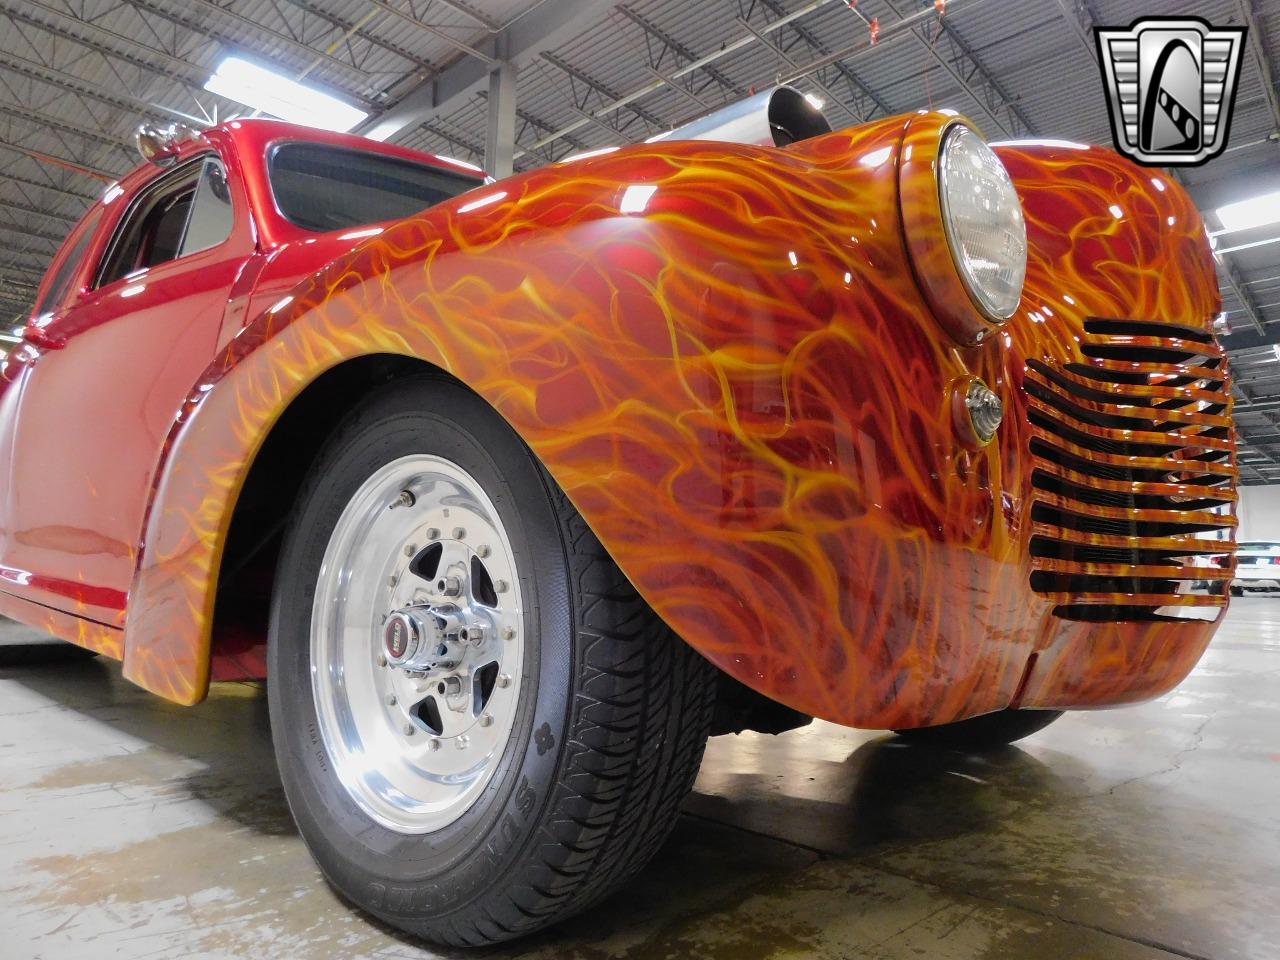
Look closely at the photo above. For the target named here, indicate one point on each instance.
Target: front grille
(1134, 475)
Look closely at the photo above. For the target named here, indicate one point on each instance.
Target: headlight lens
(984, 224)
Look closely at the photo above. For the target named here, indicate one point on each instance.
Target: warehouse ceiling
(78, 76)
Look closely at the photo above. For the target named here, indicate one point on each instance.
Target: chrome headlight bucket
(963, 225)
(983, 219)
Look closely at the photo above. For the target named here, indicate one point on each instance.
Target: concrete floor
(132, 828)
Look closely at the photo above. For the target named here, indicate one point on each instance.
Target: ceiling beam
(547, 27)
(1080, 19)
(52, 188)
(859, 89)
(972, 76)
(604, 91)
(45, 121)
(1229, 276)
(112, 45)
(201, 27)
(654, 32)
(1249, 13)
(701, 63)
(117, 99)
(35, 211)
(49, 238)
(76, 166)
(437, 32)
(348, 28)
(834, 100)
(34, 273)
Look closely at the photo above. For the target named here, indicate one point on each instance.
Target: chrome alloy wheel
(417, 644)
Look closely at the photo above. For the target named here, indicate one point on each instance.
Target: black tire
(610, 728)
(39, 654)
(1237, 591)
(985, 732)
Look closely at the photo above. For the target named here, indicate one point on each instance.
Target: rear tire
(606, 726)
(985, 732)
(1237, 591)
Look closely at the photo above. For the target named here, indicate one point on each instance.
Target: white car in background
(1257, 567)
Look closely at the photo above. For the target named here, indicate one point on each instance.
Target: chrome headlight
(983, 219)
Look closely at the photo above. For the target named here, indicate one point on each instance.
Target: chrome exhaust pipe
(774, 118)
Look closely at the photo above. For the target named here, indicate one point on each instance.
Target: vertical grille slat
(1135, 475)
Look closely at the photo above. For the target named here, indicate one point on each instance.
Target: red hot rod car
(515, 491)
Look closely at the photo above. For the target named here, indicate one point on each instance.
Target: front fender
(717, 351)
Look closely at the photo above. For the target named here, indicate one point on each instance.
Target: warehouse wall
(1259, 513)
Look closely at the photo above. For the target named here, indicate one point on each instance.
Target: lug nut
(391, 700)
(459, 533)
(408, 729)
(474, 633)
(508, 633)
(450, 586)
(504, 680)
(483, 551)
(449, 686)
(382, 660)
(410, 549)
(433, 744)
(501, 586)
(486, 720)
(433, 533)
(461, 742)
(391, 581)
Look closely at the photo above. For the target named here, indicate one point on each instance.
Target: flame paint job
(742, 389)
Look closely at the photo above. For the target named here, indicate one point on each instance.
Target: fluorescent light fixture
(1248, 214)
(256, 86)
(1275, 348)
(636, 197)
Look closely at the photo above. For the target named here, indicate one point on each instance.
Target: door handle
(42, 338)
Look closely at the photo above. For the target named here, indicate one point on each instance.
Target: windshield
(321, 188)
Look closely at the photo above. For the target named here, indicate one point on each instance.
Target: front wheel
(481, 728)
(984, 732)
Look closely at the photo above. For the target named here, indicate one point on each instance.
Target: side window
(210, 211)
(185, 212)
(321, 188)
(61, 282)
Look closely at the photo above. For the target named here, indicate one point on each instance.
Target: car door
(106, 374)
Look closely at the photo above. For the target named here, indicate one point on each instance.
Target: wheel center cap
(400, 637)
